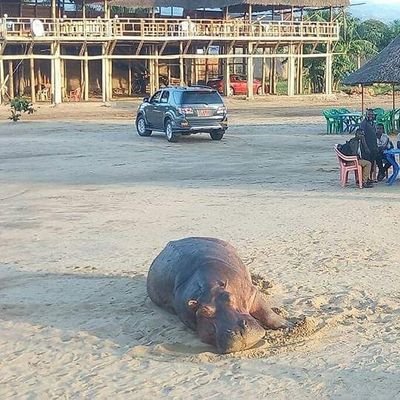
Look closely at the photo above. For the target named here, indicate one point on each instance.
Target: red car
(238, 85)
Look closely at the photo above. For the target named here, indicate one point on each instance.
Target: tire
(141, 126)
(218, 135)
(231, 91)
(259, 90)
(169, 133)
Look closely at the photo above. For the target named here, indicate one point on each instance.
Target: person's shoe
(367, 185)
(381, 177)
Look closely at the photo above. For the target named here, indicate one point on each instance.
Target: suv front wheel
(218, 135)
(169, 133)
(141, 126)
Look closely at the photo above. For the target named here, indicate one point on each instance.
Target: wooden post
(250, 71)
(300, 63)
(32, 68)
(106, 10)
(11, 79)
(86, 75)
(156, 69)
(2, 97)
(130, 78)
(110, 78)
(227, 72)
(53, 9)
(264, 74)
(152, 74)
(56, 84)
(328, 70)
(104, 74)
(82, 79)
(291, 71)
(181, 66)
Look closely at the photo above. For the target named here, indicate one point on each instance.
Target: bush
(19, 105)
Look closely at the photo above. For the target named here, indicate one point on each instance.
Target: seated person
(384, 143)
(357, 146)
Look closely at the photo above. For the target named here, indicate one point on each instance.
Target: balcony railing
(164, 29)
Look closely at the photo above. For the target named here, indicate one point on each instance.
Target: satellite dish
(37, 27)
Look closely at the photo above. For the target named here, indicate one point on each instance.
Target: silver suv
(183, 111)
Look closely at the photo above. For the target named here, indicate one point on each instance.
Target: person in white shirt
(383, 143)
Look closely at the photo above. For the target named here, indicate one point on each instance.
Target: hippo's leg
(263, 313)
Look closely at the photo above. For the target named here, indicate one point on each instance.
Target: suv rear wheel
(169, 133)
(218, 135)
(141, 126)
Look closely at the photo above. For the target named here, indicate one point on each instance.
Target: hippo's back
(179, 261)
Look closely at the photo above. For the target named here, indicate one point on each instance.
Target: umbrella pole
(362, 99)
(394, 108)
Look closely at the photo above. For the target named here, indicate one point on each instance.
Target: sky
(386, 10)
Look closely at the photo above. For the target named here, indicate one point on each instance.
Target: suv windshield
(197, 97)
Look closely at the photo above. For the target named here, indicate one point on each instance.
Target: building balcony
(161, 30)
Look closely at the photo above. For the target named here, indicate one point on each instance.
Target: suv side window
(156, 97)
(165, 97)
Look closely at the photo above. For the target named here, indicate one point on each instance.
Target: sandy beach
(86, 205)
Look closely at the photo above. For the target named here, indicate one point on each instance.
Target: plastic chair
(387, 120)
(346, 165)
(333, 121)
(75, 95)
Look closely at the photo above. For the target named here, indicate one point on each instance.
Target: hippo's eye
(225, 297)
(206, 311)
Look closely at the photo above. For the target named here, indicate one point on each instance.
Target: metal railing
(147, 28)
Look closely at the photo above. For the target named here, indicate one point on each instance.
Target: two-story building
(102, 49)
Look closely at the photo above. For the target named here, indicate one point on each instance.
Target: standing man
(384, 143)
(369, 129)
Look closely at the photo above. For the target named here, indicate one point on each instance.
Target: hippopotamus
(204, 281)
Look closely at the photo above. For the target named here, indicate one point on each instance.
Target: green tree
(355, 44)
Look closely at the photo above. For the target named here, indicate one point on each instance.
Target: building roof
(383, 68)
(188, 4)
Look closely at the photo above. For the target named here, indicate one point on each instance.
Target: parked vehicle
(183, 111)
(238, 85)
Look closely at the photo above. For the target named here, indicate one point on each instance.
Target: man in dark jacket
(358, 146)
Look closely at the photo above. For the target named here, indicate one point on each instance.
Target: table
(351, 121)
(391, 157)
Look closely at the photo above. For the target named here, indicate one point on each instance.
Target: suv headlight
(221, 110)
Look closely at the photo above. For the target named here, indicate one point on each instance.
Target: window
(165, 97)
(156, 97)
(198, 97)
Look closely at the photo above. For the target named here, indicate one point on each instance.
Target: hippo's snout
(245, 335)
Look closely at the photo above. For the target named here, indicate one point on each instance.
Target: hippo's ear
(193, 304)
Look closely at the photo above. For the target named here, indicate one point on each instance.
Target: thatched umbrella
(383, 68)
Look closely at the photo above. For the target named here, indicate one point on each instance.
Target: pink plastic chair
(346, 165)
